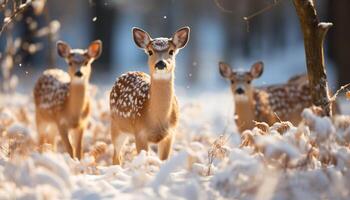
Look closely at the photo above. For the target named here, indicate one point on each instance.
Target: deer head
(161, 51)
(241, 81)
(79, 60)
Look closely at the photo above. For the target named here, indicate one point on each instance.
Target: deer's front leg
(63, 130)
(141, 141)
(165, 145)
(42, 136)
(79, 142)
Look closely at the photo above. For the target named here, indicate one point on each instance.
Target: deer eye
(171, 52)
(232, 81)
(249, 81)
(150, 53)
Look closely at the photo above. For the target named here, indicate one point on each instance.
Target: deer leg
(63, 130)
(164, 146)
(41, 127)
(51, 136)
(141, 141)
(118, 140)
(79, 142)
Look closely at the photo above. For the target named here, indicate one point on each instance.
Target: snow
(166, 169)
(18, 129)
(322, 125)
(325, 25)
(306, 161)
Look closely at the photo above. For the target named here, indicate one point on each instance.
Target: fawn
(146, 106)
(265, 104)
(62, 98)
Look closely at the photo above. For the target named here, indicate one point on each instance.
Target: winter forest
(174, 99)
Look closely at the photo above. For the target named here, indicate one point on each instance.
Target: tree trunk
(314, 33)
(103, 29)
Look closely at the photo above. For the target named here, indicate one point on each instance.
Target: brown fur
(70, 107)
(266, 104)
(157, 117)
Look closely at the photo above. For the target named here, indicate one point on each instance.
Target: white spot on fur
(52, 89)
(160, 44)
(78, 51)
(129, 94)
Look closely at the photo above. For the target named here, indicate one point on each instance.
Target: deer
(145, 106)
(270, 104)
(62, 98)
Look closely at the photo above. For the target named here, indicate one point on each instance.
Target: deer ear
(63, 49)
(141, 37)
(181, 37)
(225, 70)
(257, 69)
(95, 49)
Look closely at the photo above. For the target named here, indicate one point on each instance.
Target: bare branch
(17, 11)
(259, 12)
(333, 98)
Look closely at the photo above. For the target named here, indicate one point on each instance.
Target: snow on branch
(18, 10)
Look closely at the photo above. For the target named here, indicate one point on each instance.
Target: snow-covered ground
(210, 160)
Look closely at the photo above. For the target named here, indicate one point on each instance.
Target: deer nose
(78, 74)
(160, 65)
(239, 91)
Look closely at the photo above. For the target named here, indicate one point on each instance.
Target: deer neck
(77, 99)
(245, 111)
(161, 98)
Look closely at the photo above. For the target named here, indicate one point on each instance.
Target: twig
(279, 119)
(16, 12)
(217, 145)
(333, 98)
(259, 12)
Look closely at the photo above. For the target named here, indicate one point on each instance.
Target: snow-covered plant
(217, 150)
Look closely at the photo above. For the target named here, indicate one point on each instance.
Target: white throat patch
(78, 81)
(162, 75)
(240, 98)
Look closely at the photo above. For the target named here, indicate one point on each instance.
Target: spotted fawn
(265, 104)
(62, 98)
(145, 105)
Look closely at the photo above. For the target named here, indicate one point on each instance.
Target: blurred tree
(339, 42)
(106, 15)
(23, 34)
(25, 27)
(245, 38)
(233, 35)
(274, 26)
(192, 17)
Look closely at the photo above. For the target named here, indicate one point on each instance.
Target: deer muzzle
(160, 65)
